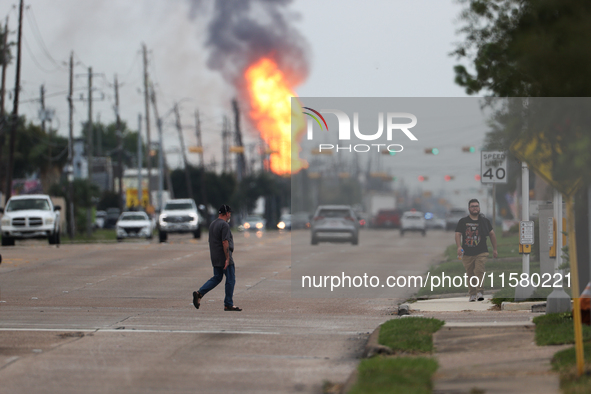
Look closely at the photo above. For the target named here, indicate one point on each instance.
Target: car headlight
(161, 220)
(247, 225)
(48, 221)
(280, 225)
(259, 225)
(5, 222)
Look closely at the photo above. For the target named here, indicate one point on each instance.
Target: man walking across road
(221, 247)
(471, 233)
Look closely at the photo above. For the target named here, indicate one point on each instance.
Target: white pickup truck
(30, 216)
(179, 216)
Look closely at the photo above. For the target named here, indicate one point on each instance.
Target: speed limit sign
(493, 167)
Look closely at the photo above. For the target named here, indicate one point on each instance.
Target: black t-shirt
(474, 233)
(219, 231)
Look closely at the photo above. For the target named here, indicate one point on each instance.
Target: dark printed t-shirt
(474, 235)
(219, 231)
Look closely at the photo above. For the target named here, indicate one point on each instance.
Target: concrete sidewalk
(483, 349)
(455, 304)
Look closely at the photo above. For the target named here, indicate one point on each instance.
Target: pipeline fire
(270, 94)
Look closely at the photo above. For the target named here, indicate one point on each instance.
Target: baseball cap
(224, 209)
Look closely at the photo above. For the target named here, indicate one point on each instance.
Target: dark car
(300, 220)
(453, 217)
(387, 218)
(111, 217)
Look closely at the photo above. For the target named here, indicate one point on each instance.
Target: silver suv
(335, 223)
(179, 216)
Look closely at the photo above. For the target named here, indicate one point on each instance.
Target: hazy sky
(376, 48)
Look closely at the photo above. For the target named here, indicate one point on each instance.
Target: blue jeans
(218, 274)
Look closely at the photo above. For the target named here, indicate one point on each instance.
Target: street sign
(526, 232)
(493, 167)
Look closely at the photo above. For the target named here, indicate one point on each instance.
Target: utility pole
(139, 159)
(14, 120)
(182, 140)
(225, 146)
(161, 157)
(70, 150)
(3, 122)
(43, 116)
(202, 162)
(148, 139)
(119, 145)
(89, 151)
(240, 161)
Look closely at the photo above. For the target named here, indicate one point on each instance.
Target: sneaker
(480, 297)
(197, 299)
(472, 298)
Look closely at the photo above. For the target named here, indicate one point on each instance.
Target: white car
(413, 221)
(179, 216)
(134, 225)
(30, 216)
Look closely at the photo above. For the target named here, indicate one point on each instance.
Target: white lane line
(141, 331)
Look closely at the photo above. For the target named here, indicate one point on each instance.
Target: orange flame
(270, 101)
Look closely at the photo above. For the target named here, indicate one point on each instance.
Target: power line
(39, 37)
(35, 59)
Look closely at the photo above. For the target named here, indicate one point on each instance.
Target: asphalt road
(118, 318)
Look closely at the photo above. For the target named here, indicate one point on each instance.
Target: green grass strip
(409, 334)
(565, 363)
(404, 375)
(557, 329)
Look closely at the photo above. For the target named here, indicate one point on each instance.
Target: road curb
(522, 306)
(372, 348)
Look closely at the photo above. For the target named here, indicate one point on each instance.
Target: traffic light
(468, 149)
(448, 178)
(423, 178)
(432, 151)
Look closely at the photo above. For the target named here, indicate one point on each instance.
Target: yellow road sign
(539, 155)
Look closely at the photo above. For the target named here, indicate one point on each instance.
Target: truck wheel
(58, 237)
(162, 236)
(7, 241)
(355, 241)
(197, 233)
(314, 240)
(51, 239)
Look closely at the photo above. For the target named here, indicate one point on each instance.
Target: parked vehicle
(179, 216)
(413, 221)
(134, 225)
(335, 223)
(99, 219)
(387, 218)
(111, 217)
(254, 223)
(30, 216)
(453, 217)
(284, 222)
